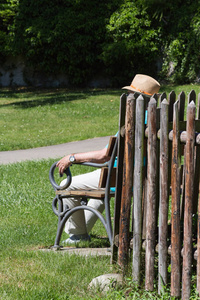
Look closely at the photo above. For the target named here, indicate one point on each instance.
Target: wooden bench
(110, 177)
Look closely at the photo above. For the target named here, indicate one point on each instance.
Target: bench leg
(60, 214)
(73, 210)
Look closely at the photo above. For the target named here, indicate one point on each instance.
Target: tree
(62, 35)
(8, 10)
(133, 43)
(83, 38)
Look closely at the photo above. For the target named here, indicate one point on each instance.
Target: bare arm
(99, 156)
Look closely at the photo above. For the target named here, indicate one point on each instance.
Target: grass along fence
(166, 212)
(26, 272)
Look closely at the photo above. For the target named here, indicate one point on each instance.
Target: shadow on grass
(98, 242)
(42, 97)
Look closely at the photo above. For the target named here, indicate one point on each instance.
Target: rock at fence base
(106, 282)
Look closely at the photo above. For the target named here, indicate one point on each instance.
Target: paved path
(57, 151)
(82, 251)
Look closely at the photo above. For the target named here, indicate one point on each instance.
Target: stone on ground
(106, 282)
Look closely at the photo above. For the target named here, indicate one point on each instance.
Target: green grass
(31, 118)
(34, 118)
(28, 227)
(27, 223)
(179, 88)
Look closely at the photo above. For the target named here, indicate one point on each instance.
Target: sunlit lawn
(31, 118)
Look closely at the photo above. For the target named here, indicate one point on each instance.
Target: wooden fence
(164, 184)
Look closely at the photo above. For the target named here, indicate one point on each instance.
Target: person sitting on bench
(81, 222)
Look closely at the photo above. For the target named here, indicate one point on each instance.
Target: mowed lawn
(28, 269)
(31, 118)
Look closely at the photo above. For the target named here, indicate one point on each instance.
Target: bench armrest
(52, 179)
(95, 165)
(112, 144)
(69, 175)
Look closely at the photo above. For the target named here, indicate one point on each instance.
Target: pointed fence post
(189, 189)
(127, 186)
(171, 99)
(181, 109)
(197, 166)
(175, 210)
(198, 220)
(198, 246)
(119, 176)
(164, 195)
(192, 96)
(151, 197)
(137, 188)
(181, 105)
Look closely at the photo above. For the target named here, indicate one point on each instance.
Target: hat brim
(129, 88)
(134, 90)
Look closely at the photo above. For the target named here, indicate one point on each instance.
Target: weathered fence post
(164, 195)
(171, 99)
(170, 161)
(198, 246)
(181, 109)
(119, 176)
(192, 96)
(151, 196)
(175, 210)
(181, 105)
(127, 184)
(137, 188)
(189, 188)
(197, 166)
(198, 220)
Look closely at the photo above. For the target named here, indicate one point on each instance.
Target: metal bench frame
(103, 193)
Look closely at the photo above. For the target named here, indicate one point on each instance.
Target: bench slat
(99, 193)
(104, 175)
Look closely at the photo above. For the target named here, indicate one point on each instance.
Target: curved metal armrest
(52, 179)
(68, 173)
(95, 165)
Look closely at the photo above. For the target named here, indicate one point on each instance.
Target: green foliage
(182, 55)
(133, 42)
(65, 36)
(8, 10)
(181, 46)
(86, 38)
(142, 32)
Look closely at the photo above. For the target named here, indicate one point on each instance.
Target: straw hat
(143, 84)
